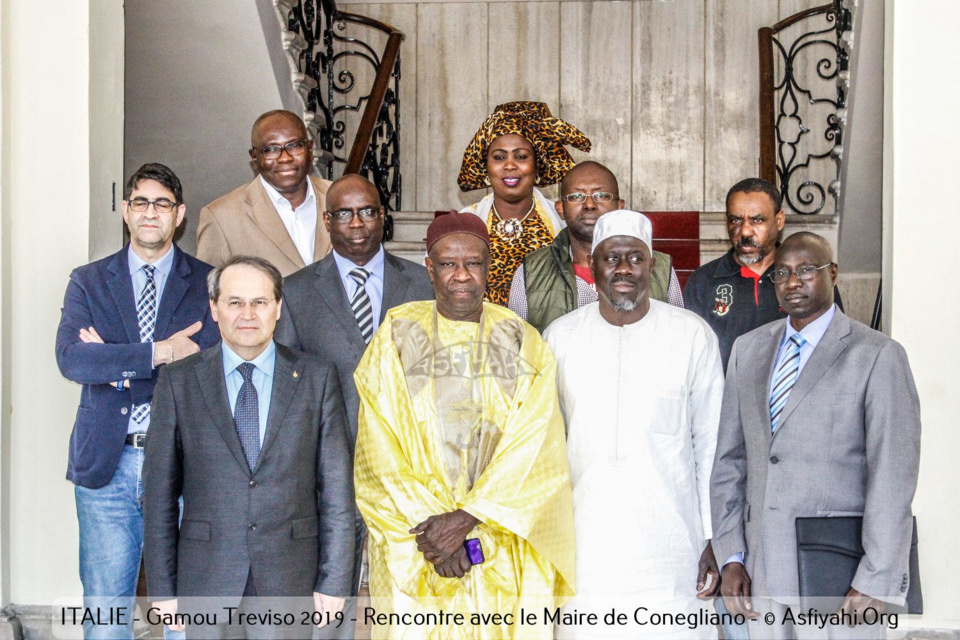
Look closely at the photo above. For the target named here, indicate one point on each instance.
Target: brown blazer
(245, 222)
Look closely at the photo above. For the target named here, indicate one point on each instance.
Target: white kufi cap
(623, 222)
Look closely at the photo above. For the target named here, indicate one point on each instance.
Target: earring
(537, 181)
(486, 180)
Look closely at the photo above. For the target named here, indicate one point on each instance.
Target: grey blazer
(848, 444)
(289, 522)
(316, 316)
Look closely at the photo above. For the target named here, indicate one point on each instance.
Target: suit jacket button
(774, 459)
(252, 526)
(253, 483)
(123, 411)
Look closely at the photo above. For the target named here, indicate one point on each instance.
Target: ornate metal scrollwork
(801, 193)
(326, 57)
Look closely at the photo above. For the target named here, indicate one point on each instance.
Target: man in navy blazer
(123, 317)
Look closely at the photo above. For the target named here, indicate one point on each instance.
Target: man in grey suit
(820, 418)
(253, 435)
(334, 306)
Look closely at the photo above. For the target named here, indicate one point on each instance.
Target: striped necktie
(785, 378)
(147, 318)
(362, 308)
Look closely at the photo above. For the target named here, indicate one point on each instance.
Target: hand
(708, 574)
(168, 608)
(456, 566)
(89, 335)
(855, 603)
(327, 606)
(439, 537)
(735, 589)
(177, 346)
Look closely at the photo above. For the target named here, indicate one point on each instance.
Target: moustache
(622, 278)
(747, 242)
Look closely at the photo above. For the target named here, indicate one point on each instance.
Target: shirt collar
(163, 265)
(279, 200)
(814, 331)
(264, 362)
(374, 265)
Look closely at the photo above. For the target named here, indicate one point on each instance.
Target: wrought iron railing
(329, 86)
(787, 153)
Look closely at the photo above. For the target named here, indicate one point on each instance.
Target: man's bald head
(591, 166)
(351, 183)
(804, 275)
(271, 119)
(818, 246)
(354, 218)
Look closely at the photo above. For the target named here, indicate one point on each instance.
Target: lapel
(121, 288)
(395, 283)
(329, 287)
(213, 386)
(286, 378)
(173, 292)
(265, 216)
(766, 353)
(824, 355)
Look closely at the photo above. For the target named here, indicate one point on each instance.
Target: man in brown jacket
(276, 216)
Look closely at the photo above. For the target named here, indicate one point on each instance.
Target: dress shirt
(301, 223)
(160, 274)
(812, 334)
(262, 380)
(373, 286)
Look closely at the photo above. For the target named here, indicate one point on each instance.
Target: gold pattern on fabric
(461, 415)
(534, 122)
(506, 254)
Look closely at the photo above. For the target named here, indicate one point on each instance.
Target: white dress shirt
(301, 223)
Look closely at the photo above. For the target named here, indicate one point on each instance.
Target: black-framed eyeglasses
(160, 205)
(273, 151)
(580, 198)
(779, 276)
(346, 215)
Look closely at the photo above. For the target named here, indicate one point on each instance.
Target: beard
(625, 306)
(749, 259)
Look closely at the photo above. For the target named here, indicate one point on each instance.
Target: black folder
(828, 554)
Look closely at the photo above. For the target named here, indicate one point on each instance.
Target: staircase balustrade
(788, 103)
(317, 40)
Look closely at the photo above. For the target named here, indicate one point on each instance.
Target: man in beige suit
(277, 216)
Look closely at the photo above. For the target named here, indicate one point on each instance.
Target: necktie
(785, 378)
(246, 415)
(362, 308)
(147, 318)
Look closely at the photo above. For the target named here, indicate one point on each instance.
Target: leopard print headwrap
(533, 121)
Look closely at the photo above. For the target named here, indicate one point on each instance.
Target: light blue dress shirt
(262, 379)
(373, 286)
(161, 273)
(812, 334)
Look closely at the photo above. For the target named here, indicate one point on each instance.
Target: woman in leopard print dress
(519, 146)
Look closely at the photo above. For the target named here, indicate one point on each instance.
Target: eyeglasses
(346, 215)
(160, 205)
(808, 272)
(273, 151)
(580, 198)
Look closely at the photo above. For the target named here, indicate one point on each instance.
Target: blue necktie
(246, 415)
(147, 319)
(785, 378)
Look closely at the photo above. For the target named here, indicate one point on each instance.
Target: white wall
(46, 178)
(921, 223)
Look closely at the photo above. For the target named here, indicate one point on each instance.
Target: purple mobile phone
(474, 550)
